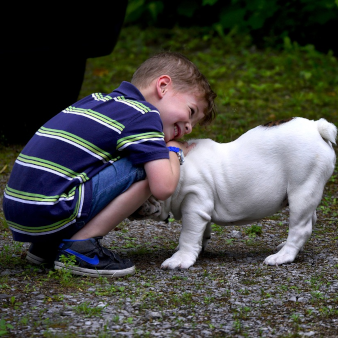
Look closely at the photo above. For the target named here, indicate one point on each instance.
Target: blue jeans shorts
(110, 183)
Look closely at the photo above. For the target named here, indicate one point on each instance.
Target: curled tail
(327, 130)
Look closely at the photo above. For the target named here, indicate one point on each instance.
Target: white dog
(287, 162)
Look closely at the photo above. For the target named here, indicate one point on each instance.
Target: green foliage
(4, 327)
(216, 228)
(253, 86)
(328, 312)
(64, 275)
(87, 310)
(317, 295)
(237, 325)
(3, 222)
(268, 21)
(10, 254)
(254, 230)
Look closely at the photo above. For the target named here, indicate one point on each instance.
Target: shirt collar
(129, 90)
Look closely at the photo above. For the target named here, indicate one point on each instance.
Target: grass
(253, 86)
(88, 310)
(254, 230)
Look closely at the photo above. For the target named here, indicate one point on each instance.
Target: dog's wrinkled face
(151, 209)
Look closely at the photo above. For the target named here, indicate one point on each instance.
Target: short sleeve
(143, 139)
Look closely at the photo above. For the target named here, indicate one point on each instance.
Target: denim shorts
(112, 182)
(107, 185)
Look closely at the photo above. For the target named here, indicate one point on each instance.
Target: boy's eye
(192, 111)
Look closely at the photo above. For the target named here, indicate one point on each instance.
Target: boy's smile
(179, 111)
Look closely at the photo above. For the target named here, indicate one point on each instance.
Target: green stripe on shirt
(42, 230)
(52, 166)
(26, 196)
(76, 140)
(96, 116)
(138, 138)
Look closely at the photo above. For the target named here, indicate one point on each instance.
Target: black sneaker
(42, 253)
(92, 259)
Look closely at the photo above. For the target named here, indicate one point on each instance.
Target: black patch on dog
(277, 123)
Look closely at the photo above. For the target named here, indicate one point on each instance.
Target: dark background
(44, 48)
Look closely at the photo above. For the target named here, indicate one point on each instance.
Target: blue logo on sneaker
(93, 261)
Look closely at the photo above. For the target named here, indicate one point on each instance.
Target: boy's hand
(163, 174)
(185, 146)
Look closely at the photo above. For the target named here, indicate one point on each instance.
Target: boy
(96, 162)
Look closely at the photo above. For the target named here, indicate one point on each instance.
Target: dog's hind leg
(302, 217)
(314, 220)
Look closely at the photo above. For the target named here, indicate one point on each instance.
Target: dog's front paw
(286, 255)
(179, 260)
(278, 260)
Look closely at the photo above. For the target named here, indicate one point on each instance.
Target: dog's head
(152, 209)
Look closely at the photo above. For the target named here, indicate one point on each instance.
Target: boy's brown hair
(184, 74)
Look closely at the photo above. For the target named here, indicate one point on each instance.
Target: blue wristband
(174, 149)
(179, 153)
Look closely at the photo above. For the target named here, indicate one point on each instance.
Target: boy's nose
(188, 128)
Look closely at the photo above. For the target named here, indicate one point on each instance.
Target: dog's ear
(150, 209)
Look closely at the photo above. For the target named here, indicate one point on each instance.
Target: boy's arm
(163, 174)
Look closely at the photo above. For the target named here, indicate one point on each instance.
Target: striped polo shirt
(50, 184)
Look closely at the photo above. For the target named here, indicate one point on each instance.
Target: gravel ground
(227, 293)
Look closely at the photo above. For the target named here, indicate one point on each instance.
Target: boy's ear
(163, 84)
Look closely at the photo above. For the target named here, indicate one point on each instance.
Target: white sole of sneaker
(94, 273)
(35, 259)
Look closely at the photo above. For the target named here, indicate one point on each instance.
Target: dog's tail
(327, 130)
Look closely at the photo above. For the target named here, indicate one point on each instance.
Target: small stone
(5, 273)
(153, 315)
(122, 333)
(4, 296)
(302, 300)
(206, 333)
(236, 234)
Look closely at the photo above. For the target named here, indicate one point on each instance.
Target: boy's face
(180, 112)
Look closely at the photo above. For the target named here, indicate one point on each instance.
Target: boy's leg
(116, 211)
(91, 258)
(117, 192)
